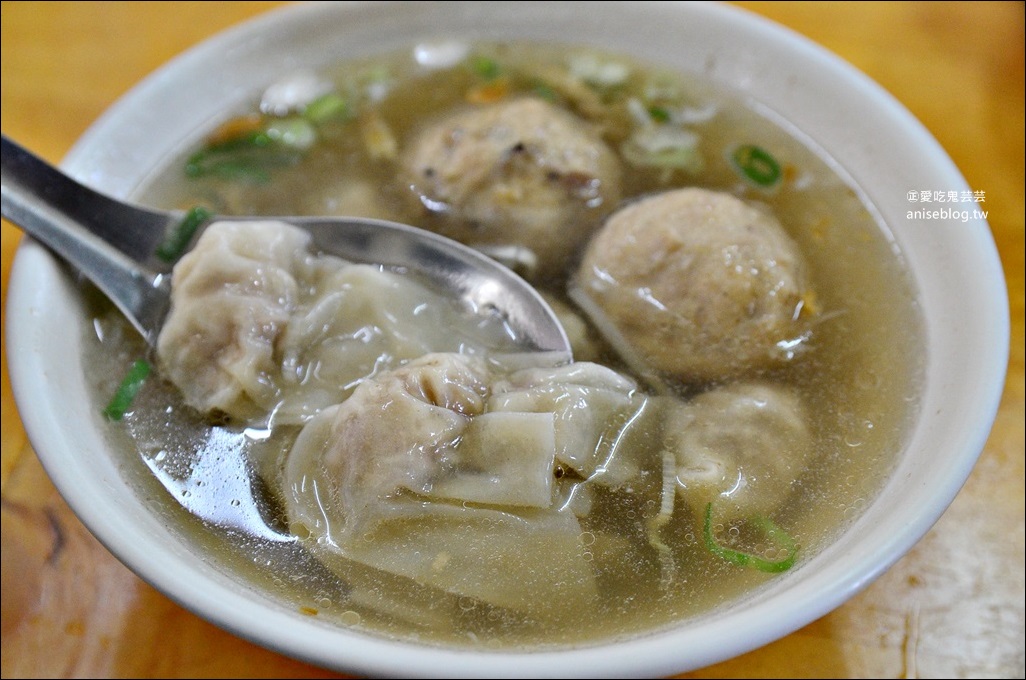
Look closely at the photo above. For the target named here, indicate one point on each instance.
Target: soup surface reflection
(747, 351)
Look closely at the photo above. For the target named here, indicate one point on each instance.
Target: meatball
(697, 284)
(517, 173)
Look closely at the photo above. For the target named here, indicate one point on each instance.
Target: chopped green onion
(219, 159)
(657, 145)
(486, 67)
(248, 157)
(658, 114)
(545, 91)
(376, 75)
(294, 133)
(328, 107)
(757, 165)
(126, 392)
(599, 72)
(743, 559)
(243, 169)
(178, 238)
(248, 140)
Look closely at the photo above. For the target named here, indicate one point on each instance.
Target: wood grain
(953, 607)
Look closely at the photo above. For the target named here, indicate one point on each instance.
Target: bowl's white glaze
(877, 143)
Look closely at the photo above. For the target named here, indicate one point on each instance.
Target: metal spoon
(113, 244)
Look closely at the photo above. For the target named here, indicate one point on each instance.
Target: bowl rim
(833, 577)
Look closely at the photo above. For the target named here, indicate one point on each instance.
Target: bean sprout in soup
(358, 447)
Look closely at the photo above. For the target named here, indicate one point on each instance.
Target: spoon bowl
(121, 248)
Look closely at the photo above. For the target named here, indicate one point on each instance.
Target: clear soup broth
(350, 140)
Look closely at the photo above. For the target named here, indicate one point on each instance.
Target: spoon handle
(105, 240)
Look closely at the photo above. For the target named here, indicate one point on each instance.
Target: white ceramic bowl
(878, 143)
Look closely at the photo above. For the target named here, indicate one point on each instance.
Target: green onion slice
(545, 91)
(743, 559)
(241, 170)
(126, 392)
(178, 238)
(327, 107)
(659, 114)
(756, 164)
(486, 67)
(248, 158)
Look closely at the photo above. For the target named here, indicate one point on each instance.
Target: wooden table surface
(952, 608)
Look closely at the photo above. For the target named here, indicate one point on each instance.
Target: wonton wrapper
(442, 471)
(259, 325)
(739, 447)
